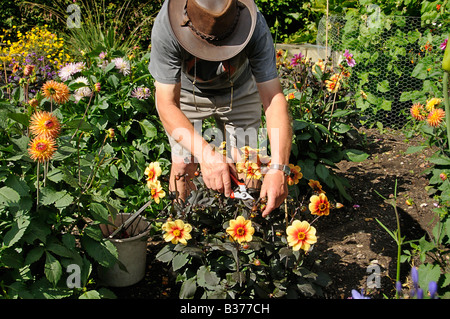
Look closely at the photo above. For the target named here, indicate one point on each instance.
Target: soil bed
(351, 246)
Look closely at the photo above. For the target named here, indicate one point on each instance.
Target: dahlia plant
(221, 248)
(320, 100)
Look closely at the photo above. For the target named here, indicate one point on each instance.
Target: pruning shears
(241, 192)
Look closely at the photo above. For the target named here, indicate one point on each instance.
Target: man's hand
(216, 170)
(275, 188)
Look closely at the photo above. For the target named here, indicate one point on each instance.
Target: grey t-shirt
(170, 63)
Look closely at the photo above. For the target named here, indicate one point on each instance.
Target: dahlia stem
(447, 107)
(37, 187)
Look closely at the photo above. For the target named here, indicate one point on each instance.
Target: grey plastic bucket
(132, 252)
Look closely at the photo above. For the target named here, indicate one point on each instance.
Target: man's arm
(215, 170)
(280, 136)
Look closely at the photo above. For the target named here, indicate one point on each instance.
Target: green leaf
(104, 252)
(355, 155)
(21, 118)
(322, 171)
(206, 278)
(440, 160)
(420, 71)
(99, 212)
(90, 294)
(165, 254)
(52, 268)
(415, 149)
(179, 261)
(8, 196)
(383, 86)
(148, 128)
(188, 289)
(17, 230)
(427, 273)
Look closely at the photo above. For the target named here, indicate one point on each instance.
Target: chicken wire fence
(391, 53)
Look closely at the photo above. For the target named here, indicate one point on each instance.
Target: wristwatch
(284, 168)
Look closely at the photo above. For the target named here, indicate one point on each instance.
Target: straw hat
(212, 30)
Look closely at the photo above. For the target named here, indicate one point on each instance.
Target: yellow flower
(44, 124)
(333, 83)
(156, 191)
(41, 149)
(241, 230)
(152, 171)
(301, 235)
(55, 91)
(435, 117)
(295, 176)
(319, 205)
(320, 64)
(251, 170)
(177, 231)
(432, 103)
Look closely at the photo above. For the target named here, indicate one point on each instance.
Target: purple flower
(444, 44)
(432, 288)
(297, 59)
(349, 58)
(415, 277)
(398, 286)
(141, 93)
(358, 295)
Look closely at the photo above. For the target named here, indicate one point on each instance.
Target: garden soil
(352, 248)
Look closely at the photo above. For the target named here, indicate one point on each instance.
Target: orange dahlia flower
(319, 205)
(301, 235)
(316, 187)
(295, 176)
(241, 230)
(44, 124)
(418, 112)
(177, 231)
(55, 91)
(435, 117)
(41, 149)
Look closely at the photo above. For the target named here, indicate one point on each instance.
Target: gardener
(216, 58)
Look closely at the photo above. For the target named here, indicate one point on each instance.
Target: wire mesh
(389, 51)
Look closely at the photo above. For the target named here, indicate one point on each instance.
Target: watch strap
(282, 167)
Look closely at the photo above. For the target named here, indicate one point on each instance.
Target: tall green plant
(90, 25)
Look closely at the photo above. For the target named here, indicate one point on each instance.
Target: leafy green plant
(321, 106)
(55, 191)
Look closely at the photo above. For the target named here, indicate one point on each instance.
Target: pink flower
(349, 58)
(444, 44)
(297, 59)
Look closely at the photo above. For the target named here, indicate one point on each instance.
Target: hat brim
(218, 50)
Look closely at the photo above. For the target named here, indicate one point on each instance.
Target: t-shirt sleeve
(165, 56)
(261, 52)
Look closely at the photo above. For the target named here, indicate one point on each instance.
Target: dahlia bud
(33, 102)
(111, 133)
(443, 176)
(97, 87)
(28, 70)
